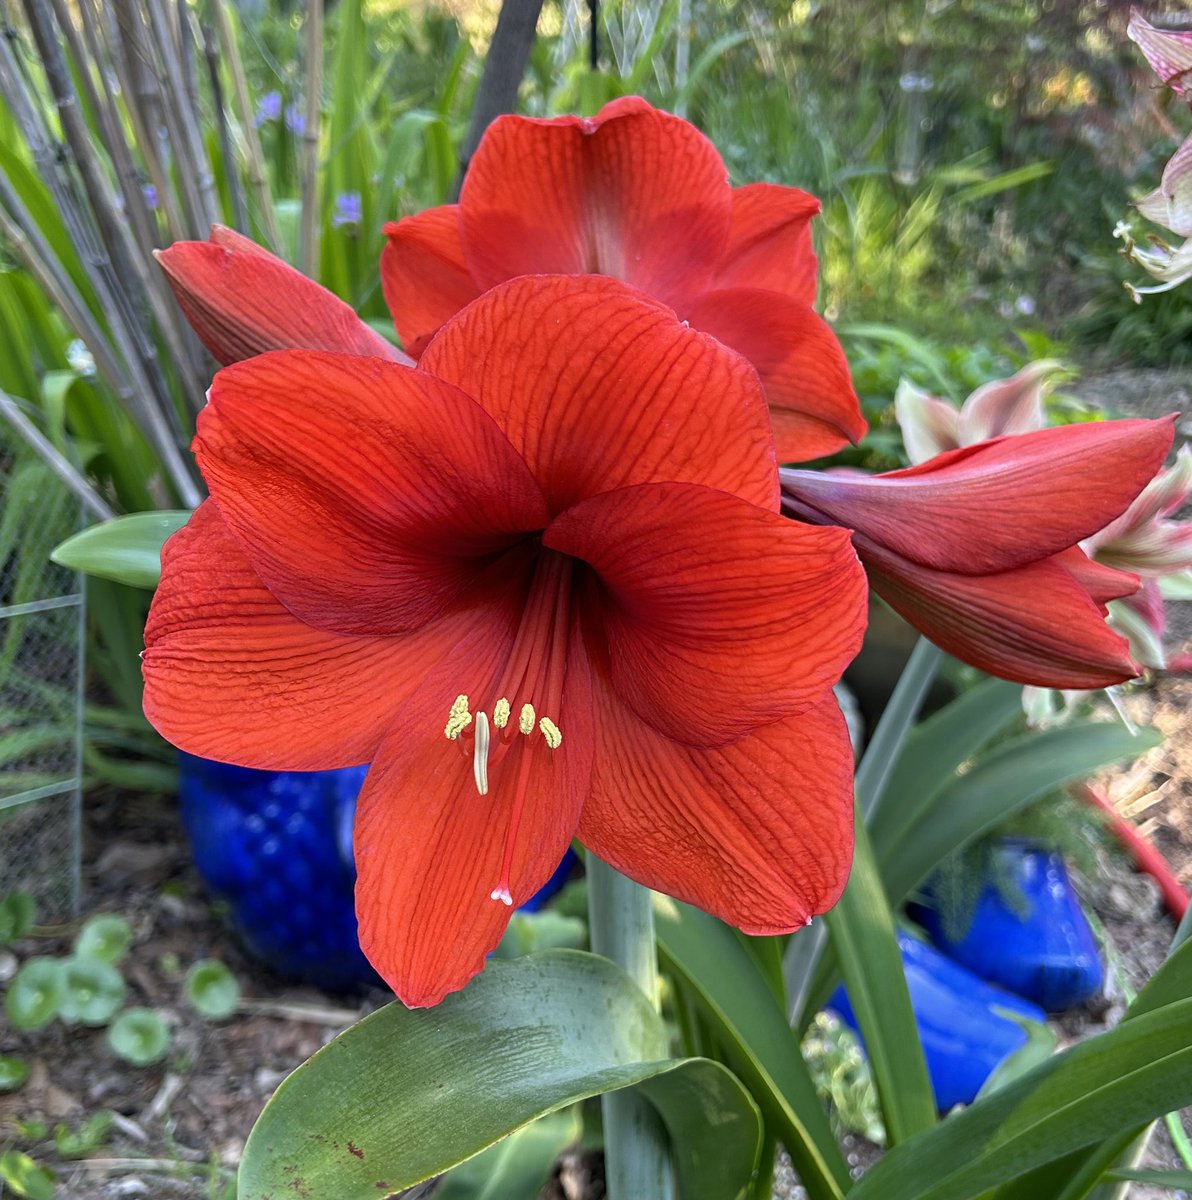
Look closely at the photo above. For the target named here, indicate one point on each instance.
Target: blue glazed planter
(276, 847)
(1048, 954)
(964, 1022)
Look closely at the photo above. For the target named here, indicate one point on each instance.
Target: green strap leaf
(1163, 1179)
(127, 549)
(866, 947)
(999, 783)
(409, 1093)
(1082, 1097)
(758, 1044)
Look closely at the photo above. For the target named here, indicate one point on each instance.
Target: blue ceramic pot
(276, 848)
(1047, 953)
(963, 1021)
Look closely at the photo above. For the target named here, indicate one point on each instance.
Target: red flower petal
(632, 192)
(758, 832)
(1034, 624)
(430, 850)
(998, 504)
(726, 619)
(769, 244)
(802, 367)
(231, 674)
(1101, 582)
(423, 274)
(365, 494)
(598, 387)
(241, 300)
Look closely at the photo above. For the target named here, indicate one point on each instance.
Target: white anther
(552, 733)
(480, 754)
(525, 722)
(501, 712)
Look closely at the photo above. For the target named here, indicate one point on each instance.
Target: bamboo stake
(211, 54)
(308, 243)
(255, 159)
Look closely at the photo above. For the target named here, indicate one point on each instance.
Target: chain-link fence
(41, 652)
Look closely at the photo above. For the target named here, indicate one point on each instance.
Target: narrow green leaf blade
(1000, 783)
(409, 1093)
(866, 947)
(1090, 1092)
(758, 1043)
(127, 549)
(1163, 1179)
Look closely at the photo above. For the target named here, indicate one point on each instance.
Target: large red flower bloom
(977, 547)
(643, 196)
(543, 586)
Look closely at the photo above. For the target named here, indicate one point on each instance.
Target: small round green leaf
(126, 549)
(35, 993)
(25, 1176)
(105, 937)
(17, 912)
(139, 1036)
(92, 992)
(87, 1138)
(212, 989)
(13, 1072)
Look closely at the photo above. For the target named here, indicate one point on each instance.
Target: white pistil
(480, 754)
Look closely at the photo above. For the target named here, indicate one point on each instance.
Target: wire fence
(41, 684)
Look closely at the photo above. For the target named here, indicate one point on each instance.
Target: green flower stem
(636, 1151)
(805, 948)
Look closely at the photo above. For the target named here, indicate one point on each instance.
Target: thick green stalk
(636, 1152)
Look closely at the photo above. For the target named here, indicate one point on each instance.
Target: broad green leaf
(13, 1072)
(998, 784)
(17, 913)
(92, 991)
(25, 1176)
(1163, 1179)
(758, 1043)
(1089, 1093)
(36, 991)
(866, 947)
(126, 549)
(519, 1166)
(934, 751)
(88, 1137)
(409, 1093)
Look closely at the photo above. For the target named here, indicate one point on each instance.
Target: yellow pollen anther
(501, 712)
(480, 754)
(458, 719)
(552, 733)
(525, 722)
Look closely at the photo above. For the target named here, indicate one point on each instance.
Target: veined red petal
(430, 849)
(232, 674)
(769, 244)
(241, 300)
(998, 504)
(1102, 583)
(423, 274)
(366, 495)
(802, 367)
(632, 192)
(719, 616)
(1034, 624)
(597, 387)
(758, 832)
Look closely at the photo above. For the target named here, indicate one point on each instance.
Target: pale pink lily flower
(931, 426)
(1170, 204)
(1167, 50)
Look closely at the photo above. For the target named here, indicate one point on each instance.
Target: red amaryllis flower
(242, 300)
(977, 548)
(543, 586)
(643, 196)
